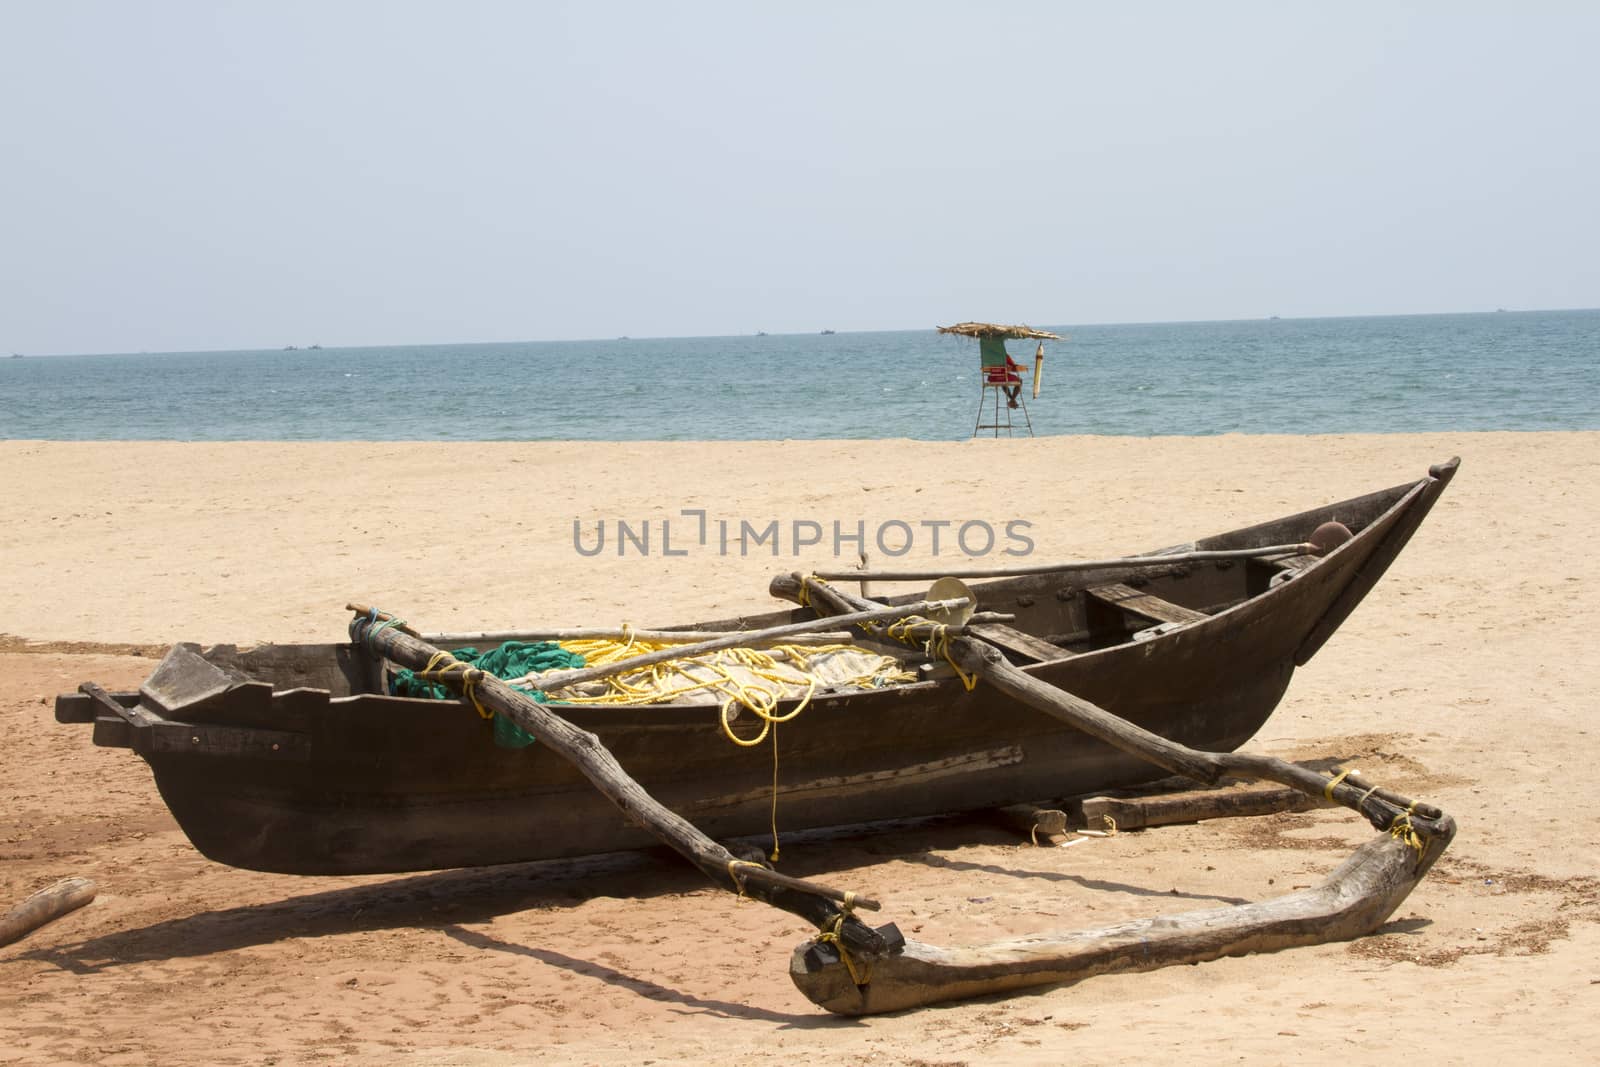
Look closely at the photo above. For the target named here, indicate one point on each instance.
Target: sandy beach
(1465, 678)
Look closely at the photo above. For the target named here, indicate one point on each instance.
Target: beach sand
(1466, 678)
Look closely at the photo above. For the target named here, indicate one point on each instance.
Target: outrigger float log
(298, 758)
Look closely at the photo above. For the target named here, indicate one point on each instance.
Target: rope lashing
(1327, 793)
(733, 874)
(860, 973)
(1402, 830)
(364, 631)
(442, 668)
(936, 646)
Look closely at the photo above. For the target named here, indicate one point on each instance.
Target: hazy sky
(234, 175)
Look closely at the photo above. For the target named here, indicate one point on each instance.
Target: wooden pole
(816, 904)
(593, 633)
(1195, 805)
(45, 906)
(733, 639)
(1201, 556)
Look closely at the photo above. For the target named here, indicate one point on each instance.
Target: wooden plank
(1014, 640)
(1194, 805)
(185, 679)
(845, 784)
(206, 739)
(1147, 604)
(1286, 568)
(110, 707)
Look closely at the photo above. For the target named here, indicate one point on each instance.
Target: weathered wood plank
(107, 705)
(184, 679)
(1293, 565)
(1012, 639)
(1195, 805)
(1146, 604)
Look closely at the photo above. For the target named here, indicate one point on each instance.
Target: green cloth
(992, 351)
(511, 660)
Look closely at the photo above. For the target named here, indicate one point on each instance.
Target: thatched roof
(989, 329)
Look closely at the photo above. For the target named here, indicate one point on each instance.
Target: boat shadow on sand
(452, 900)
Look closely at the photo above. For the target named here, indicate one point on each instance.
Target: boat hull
(368, 783)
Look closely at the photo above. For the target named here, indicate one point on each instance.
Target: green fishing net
(514, 659)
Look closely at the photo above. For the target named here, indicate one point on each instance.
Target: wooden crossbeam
(1014, 640)
(1147, 604)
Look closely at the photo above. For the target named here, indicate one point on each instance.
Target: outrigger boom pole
(1354, 900)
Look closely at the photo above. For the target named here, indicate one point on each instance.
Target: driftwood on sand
(45, 906)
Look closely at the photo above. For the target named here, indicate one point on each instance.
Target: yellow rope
(1402, 830)
(442, 667)
(776, 671)
(860, 974)
(937, 645)
(1335, 780)
(671, 679)
(733, 873)
(773, 855)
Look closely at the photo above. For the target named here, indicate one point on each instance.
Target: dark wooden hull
(329, 779)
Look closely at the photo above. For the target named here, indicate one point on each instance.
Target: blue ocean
(1485, 371)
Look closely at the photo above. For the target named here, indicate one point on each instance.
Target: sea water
(1489, 371)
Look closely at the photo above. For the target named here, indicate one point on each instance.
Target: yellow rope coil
(776, 671)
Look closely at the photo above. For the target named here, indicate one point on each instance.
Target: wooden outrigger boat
(1088, 676)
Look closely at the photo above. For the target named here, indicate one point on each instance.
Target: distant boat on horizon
(761, 333)
(827, 333)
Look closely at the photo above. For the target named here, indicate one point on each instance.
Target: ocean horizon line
(825, 331)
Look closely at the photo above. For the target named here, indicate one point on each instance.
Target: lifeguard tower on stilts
(1000, 377)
